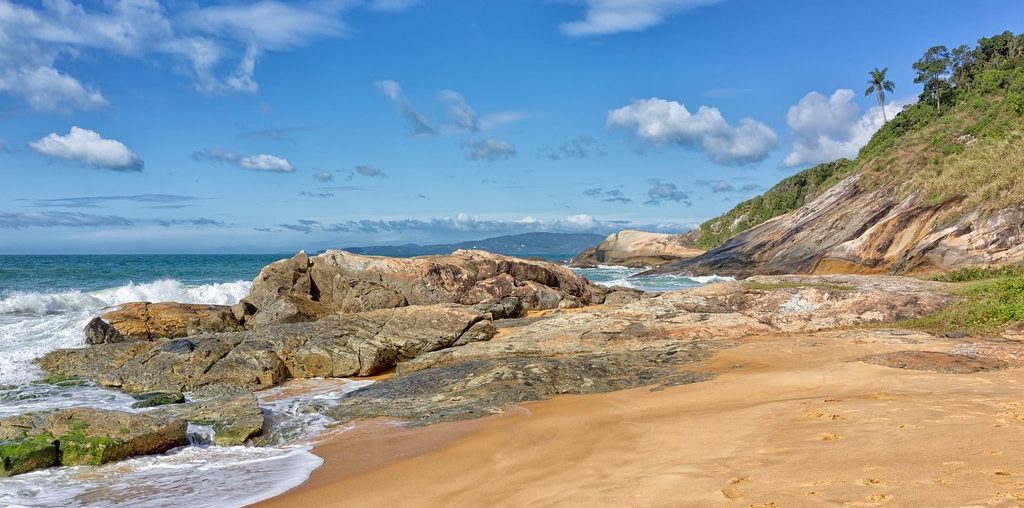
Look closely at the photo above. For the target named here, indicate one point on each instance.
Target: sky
(144, 126)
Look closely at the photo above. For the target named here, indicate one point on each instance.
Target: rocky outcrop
(850, 229)
(74, 437)
(149, 321)
(638, 249)
(337, 282)
(235, 418)
(360, 344)
(651, 341)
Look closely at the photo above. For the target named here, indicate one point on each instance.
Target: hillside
(939, 186)
(525, 244)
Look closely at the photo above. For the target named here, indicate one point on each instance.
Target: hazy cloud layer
(469, 223)
(88, 147)
(488, 149)
(95, 201)
(829, 128)
(664, 122)
(602, 17)
(10, 220)
(662, 191)
(578, 148)
(257, 162)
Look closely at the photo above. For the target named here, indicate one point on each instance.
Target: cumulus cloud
(662, 191)
(88, 147)
(218, 46)
(393, 91)
(829, 128)
(370, 171)
(663, 122)
(9, 220)
(488, 149)
(462, 116)
(716, 186)
(323, 176)
(257, 162)
(602, 17)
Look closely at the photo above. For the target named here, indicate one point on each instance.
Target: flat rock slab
(946, 363)
(145, 321)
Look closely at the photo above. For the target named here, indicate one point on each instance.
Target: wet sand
(788, 421)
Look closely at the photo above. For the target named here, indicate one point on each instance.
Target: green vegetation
(983, 307)
(974, 273)
(764, 286)
(959, 145)
(878, 85)
(79, 449)
(787, 195)
(154, 399)
(27, 454)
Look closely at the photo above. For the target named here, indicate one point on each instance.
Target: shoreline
(789, 420)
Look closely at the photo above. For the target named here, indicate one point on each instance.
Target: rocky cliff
(638, 249)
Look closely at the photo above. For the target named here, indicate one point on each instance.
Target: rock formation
(638, 249)
(848, 229)
(337, 282)
(149, 321)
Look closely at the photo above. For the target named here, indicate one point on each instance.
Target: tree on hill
(878, 85)
(933, 70)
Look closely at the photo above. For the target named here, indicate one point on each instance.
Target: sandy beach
(788, 421)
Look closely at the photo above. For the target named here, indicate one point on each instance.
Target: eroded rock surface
(638, 249)
(337, 282)
(850, 229)
(144, 321)
(82, 436)
(361, 344)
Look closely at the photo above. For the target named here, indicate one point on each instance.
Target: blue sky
(144, 126)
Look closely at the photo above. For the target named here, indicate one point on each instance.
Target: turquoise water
(91, 273)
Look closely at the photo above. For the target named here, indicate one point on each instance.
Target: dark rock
(154, 399)
(945, 363)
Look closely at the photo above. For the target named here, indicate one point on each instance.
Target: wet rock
(235, 418)
(144, 321)
(360, 344)
(946, 363)
(83, 436)
(154, 399)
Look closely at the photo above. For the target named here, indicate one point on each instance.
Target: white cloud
(669, 122)
(88, 147)
(391, 5)
(463, 116)
(323, 176)
(829, 128)
(393, 91)
(46, 89)
(201, 41)
(258, 162)
(614, 16)
(488, 149)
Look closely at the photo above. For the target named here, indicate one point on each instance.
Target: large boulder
(337, 282)
(360, 344)
(638, 249)
(144, 321)
(83, 436)
(234, 418)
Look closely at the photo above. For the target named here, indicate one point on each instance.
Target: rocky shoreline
(461, 336)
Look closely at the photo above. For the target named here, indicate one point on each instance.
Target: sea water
(45, 302)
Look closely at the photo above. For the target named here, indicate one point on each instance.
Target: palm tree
(878, 85)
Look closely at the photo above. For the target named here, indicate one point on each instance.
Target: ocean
(45, 302)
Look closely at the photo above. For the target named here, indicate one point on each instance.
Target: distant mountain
(526, 244)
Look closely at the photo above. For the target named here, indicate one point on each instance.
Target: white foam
(34, 323)
(607, 275)
(194, 476)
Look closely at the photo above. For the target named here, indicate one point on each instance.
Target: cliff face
(852, 230)
(638, 249)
